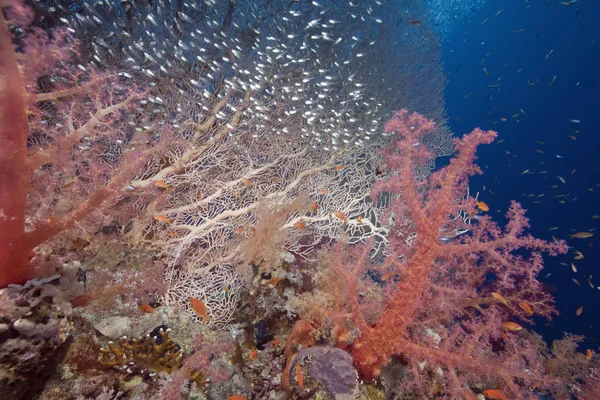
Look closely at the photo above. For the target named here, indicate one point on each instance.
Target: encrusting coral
(157, 354)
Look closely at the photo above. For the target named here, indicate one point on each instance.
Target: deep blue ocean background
(512, 47)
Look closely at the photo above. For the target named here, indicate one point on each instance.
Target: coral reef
(158, 354)
(35, 327)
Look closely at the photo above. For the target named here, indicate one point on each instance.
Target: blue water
(573, 33)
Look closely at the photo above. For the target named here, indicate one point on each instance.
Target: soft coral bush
(436, 311)
(68, 143)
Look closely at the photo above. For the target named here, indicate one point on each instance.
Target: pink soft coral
(438, 313)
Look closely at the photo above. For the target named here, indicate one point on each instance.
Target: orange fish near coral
(511, 326)
(300, 225)
(314, 206)
(147, 308)
(162, 218)
(482, 206)
(340, 215)
(526, 307)
(579, 311)
(588, 354)
(494, 394)
(161, 184)
(199, 308)
(499, 297)
(237, 397)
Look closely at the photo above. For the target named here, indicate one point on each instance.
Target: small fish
(340, 215)
(579, 311)
(300, 225)
(314, 206)
(324, 191)
(553, 228)
(588, 354)
(494, 394)
(560, 178)
(582, 235)
(199, 308)
(237, 397)
(573, 267)
(482, 206)
(247, 181)
(499, 297)
(147, 308)
(359, 219)
(511, 326)
(253, 355)
(576, 282)
(339, 167)
(526, 307)
(575, 121)
(578, 255)
(162, 218)
(275, 281)
(552, 81)
(524, 172)
(161, 184)
(415, 22)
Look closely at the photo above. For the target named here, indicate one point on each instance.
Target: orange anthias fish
(300, 225)
(579, 311)
(494, 394)
(499, 297)
(511, 326)
(482, 206)
(526, 307)
(237, 397)
(314, 207)
(147, 308)
(588, 354)
(162, 218)
(340, 215)
(161, 184)
(199, 308)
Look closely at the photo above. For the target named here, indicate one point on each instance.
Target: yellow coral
(143, 353)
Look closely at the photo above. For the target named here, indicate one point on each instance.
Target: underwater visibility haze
(299, 199)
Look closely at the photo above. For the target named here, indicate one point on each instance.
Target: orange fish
(494, 394)
(161, 184)
(247, 181)
(174, 235)
(324, 191)
(340, 215)
(359, 219)
(499, 297)
(275, 281)
(415, 22)
(314, 206)
(387, 276)
(162, 218)
(482, 206)
(199, 308)
(253, 355)
(526, 307)
(579, 311)
(578, 255)
(299, 376)
(339, 167)
(300, 225)
(588, 354)
(147, 308)
(511, 326)
(237, 397)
